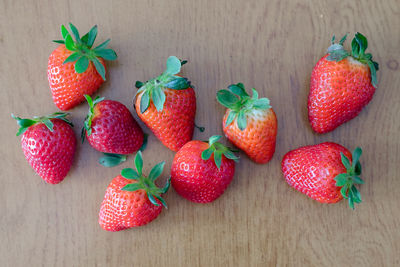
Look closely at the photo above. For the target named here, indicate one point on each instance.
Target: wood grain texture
(260, 220)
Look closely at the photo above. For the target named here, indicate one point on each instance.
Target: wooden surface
(260, 220)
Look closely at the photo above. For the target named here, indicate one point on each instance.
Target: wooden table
(260, 220)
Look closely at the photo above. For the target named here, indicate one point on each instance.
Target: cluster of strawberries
(342, 83)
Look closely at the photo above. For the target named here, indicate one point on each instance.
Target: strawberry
(132, 199)
(167, 105)
(249, 122)
(326, 172)
(70, 81)
(342, 83)
(110, 128)
(48, 144)
(202, 171)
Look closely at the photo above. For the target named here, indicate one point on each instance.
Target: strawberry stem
(87, 125)
(83, 54)
(240, 103)
(146, 183)
(112, 160)
(358, 46)
(145, 141)
(218, 150)
(200, 128)
(26, 123)
(348, 180)
(154, 89)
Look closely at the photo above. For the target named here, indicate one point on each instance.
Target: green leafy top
(154, 89)
(83, 52)
(218, 149)
(24, 124)
(358, 46)
(240, 103)
(112, 159)
(349, 179)
(146, 182)
(87, 125)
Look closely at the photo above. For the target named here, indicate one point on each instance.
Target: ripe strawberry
(167, 105)
(69, 82)
(342, 83)
(249, 122)
(132, 199)
(48, 144)
(110, 128)
(201, 172)
(325, 172)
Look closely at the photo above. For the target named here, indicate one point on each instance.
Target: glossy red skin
(50, 154)
(114, 130)
(121, 210)
(174, 125)
(312, 169)
(68, 87)
(200, 180)
(338, 93)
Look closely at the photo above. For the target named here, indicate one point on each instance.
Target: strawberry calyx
(83, 52)
(154, 89)
(349, 179)
(24, 124)
(218, 149)
(240, 103)
(145, 141)
(87, 125)
(358, 46)
(146, 182)
(111, 160)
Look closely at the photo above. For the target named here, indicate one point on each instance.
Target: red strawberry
(111, 128)
(249, 122)
(132, 199)
(201, 172)
(342, 83)
(48, 144)
(167, 105)
(70, 82)
(325, 172)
